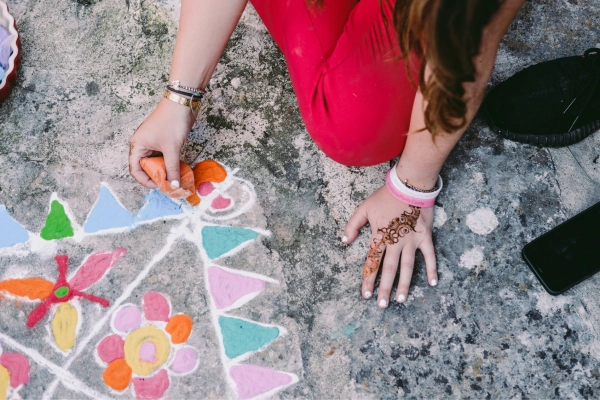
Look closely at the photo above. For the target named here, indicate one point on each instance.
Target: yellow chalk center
(64, 326)
(4, 382)
(134, 342)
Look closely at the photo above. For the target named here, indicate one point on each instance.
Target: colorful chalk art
(95, 316)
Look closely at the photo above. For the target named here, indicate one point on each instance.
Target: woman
(352, 65)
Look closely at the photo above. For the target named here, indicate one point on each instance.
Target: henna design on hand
(396, 229)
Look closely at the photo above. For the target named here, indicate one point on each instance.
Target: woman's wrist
(418, 179)
(177, 112)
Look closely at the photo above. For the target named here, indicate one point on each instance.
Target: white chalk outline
(194, 219)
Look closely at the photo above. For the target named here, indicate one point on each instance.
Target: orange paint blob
(179, 327)
(156, 170)
(32, 288)
(117, 374)
(208, 171)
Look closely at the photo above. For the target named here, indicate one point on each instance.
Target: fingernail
(433, 282)
(175, 184)
(382, 303)
(367, 294)
(344, 239)
(401, 298)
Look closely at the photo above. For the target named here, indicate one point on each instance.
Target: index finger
(136, 171)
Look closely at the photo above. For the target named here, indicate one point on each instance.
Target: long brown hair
(446, 36)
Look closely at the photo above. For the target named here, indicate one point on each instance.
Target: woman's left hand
(398, 230)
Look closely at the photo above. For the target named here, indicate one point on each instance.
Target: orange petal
(179, 327)
(209, 171)
(156, 170)
(117, 374)
(32, 288)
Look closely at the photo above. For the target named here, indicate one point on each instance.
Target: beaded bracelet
(185, 90)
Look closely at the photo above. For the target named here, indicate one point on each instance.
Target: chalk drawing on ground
(148, 341)
(147, 347)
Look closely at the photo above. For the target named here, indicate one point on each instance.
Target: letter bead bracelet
(184, 95)
(185, 90)
(407, 194)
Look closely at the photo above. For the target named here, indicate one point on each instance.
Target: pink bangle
(409, 196)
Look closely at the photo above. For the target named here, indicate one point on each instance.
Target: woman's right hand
(162, 133)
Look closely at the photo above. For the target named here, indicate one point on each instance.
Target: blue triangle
(241, 336)
(11, 232)
(157, 206)
(107, 214)
(218, 240)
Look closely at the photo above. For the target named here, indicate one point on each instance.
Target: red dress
(353, 91)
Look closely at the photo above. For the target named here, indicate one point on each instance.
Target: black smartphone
(568, 254)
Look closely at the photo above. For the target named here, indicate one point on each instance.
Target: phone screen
(567, 254)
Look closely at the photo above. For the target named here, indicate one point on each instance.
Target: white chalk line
(68, 379)
(175, 234)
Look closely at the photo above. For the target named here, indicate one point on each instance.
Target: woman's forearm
(422, 158)
(205, 27)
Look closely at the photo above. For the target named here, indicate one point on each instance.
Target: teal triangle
(11, 232)
(107, 214)
(218, 240)
(240, 336)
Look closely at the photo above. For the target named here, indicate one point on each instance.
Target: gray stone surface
(92, 70)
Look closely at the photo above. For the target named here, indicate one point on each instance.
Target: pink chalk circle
(184, 361)
(252, 380)
(205, 188)
(148, 352)
(127, 318)
(226, 287)
(151, 388)
(110, 348)
(156, 307)
(18, 367)
(220, 202)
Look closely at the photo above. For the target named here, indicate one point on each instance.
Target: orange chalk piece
(156, 170)
(32, 288)
(208, 171)
(179, 327)
(117, 375)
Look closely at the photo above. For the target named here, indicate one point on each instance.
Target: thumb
(172, 165)
(357, 221)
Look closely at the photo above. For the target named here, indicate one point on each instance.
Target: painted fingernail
(175, 184)
(344, 239)
(433, 282)
(401, 298)
(382, 303)
(367, 294)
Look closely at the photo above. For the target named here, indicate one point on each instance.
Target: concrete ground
(93, 69)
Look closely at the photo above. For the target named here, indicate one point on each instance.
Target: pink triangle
(227, 287)
(252, 380)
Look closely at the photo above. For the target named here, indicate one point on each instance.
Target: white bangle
(409, 196)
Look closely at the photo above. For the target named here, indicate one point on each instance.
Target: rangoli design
(14, 373)
(148, 347)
